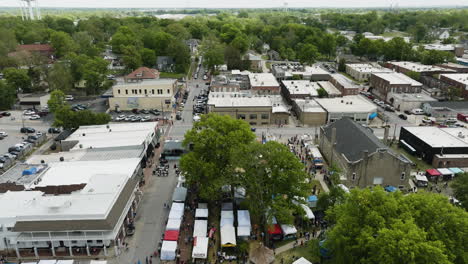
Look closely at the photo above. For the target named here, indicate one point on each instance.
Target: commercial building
(254, 60)
(142, 73)
(29, 50)
(148, 94)
(264, 83)
(309, 112)
(299, 89)
(286, 71)
(33, 100)
(458, 80)
(441, 147)
(77, 202)
(455, 66)
(446, 109)
(364, 159)
(363, 71)
(457, 50)
(408, 101)
(257, 110)
(355, 107)
(408, 66)
(331, 90)
(344, 84)
(230, 82)
(394, 82)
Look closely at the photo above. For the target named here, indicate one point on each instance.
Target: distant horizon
(240, 4)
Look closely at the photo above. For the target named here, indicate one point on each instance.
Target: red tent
(433, 172)
(171, 235)
(275, 230)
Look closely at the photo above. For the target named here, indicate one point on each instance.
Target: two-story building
(264, 83)
(393, 82)
(344, 84)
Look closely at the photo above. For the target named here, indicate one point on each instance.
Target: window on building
(160, 91)
(126, 91)
(253, 116)
(140, 91)
(353, 177)
(118, 91)
(403, 175)
(265, 116)
(98, 241)
(74, 241)
(9, 228)
(168, 91)
(241, 116)
(146, 91)
(152, 91)
(253, 123)
(89, 241)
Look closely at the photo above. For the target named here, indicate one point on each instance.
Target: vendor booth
(168, 250)
(200, 228)
(201, 213)
(179, 195)
(243, 223)
(433, 174)
(171, 235)
(446, 173)
(312, 201)
(302, 260)
(227, 218)
(456, 171)
(289, 231)
(308, 212)
(421, 180)
(200, 248)
(228, 236)
(173, 224)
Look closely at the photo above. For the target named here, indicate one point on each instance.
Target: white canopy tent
(65, 261)
(243, 220)
(420, 177)
(47, 261)
(200, 228)
(98, 262)
(28, 262)
(445, 172)
(200, 248)
(176, 214)
(227, 214)
(288, 229)
(168, 250)
(309, 213)
(202, 205)
(173, 224)
(227, 218)
(201, 213)
(178, 206)
(228, 236)
(302, 260)
(243, 231)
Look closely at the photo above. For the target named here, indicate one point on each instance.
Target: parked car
(69, 98)
(143, 111)
(35, 117)
(14, 149)
(155, 112)
(145, 119)
(3, 134)
(402, 116)
(10, 156)
(179, 116)
(120, 118)
(54, 130)
(417, 111)
(27, 130)
(29, 112)
(389, 108)
(6, 114)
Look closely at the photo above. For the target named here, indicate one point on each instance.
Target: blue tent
(312, 198)
(372, 116)
(391, 188)
(456, 170)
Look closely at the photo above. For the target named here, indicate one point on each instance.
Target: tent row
(228, 232)
(445, 173)
(200, 230)
(65, 261)
(171, 234)
(279, 232)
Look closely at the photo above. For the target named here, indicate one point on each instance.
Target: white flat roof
(437, 137)
(113, 135)
(222, 99)
(458, 77)
(329, 87)
(312, 70)
(347, 104)
(367, 68)
(301, 87)
(263, 79)
(309, 106)
(418, 67)
(397, 78)
(413, 97)
(104, 181)
(148, 82)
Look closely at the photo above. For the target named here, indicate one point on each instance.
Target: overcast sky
(236, 3)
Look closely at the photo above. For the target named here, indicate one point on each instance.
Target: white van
(417, 111)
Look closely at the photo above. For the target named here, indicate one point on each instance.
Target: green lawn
(420, 164)
(171, 75)
(310, 251)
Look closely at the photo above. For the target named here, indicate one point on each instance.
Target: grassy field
(420, 164)
(171, 75)
(310, 251)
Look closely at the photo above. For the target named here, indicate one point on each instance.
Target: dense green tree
(7, 96)
(179, 31)
(322, 92)
(431, 57)
(94, 74)
(18, 79)
(342, 65)
(414, 75)
(62, 43)
(419, 32)
(373, 226)
(68, 119)
(148, 57)
(232, 57)
(213, 52)
(181, 54)
(213, 142)
(60, 77)
(241, 43)
(85, 44)
(229, 32)
(56, 101)
(131, 58)
(122, 38)
(460, 189)
(308, 54)
(8, 41)
(274, 180)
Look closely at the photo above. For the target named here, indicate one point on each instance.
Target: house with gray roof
(364, 159)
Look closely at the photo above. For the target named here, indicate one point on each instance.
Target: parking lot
(12, 125)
